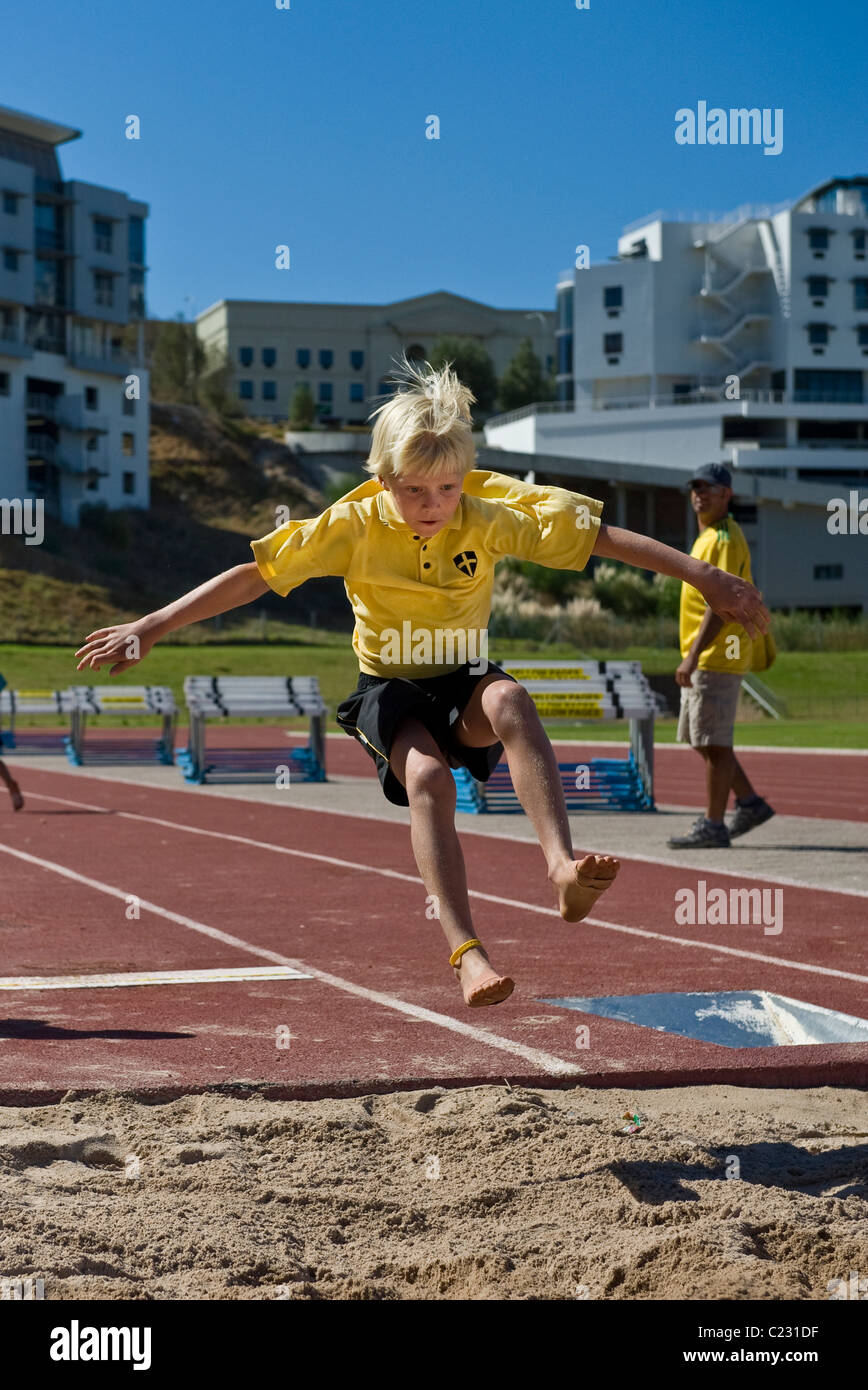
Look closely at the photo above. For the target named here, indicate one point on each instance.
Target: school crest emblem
(466, 562)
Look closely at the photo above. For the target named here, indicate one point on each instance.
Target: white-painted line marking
(153, 977)
(356, 867)
(554, 1066)
(630, 857)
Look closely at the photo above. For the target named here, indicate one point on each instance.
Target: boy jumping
(416, 547)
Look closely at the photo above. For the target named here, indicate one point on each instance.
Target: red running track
(340, 895)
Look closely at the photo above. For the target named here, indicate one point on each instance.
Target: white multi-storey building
(73, 405)
(742, 340)
(346, 353)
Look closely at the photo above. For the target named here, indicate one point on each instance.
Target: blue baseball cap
(712, 473)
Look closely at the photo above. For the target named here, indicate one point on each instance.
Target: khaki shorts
(708, 706)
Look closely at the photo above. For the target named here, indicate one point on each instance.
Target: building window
(862, 334)
(302, 357)
(326, 357)
(128, 445)
(818, 286)
(565, 308)
(245, 390)
(245, 356)
(325, 393)
(269, 391)
(828, 571)
(91, 398)
(10, 259)
(565, 354)
(860, 294)
(834, 387)
(103, 288)
(386, 388)
(10, 202)
(818, 333)
(102, 234)
(613, 343)
(859, 240)
(613, 297)
(137, 293)
(357, 360)
(269, 357)
(357, 391)
(92, 443)
(550, 363)
(5, 389)
(136, 240)
(129, 483)
(128, 404)
(818, 238)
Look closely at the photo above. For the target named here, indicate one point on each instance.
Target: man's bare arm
(731, 598)
(126, 643)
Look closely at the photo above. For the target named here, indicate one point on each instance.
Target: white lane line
(152, 977)
(357, 867)
(625, 743)
(689, 864)
(554, 1066)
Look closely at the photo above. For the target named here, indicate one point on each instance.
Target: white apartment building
(742, 339)
(73, 406)
(345, 352)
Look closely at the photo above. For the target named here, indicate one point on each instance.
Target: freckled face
(426, 504)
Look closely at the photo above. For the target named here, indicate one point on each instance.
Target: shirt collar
(389, 514)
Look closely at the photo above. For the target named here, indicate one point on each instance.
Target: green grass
(826, 692)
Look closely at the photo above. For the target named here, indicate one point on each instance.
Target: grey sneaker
(746, 817)
(703, 835)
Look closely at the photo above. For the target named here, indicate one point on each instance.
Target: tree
(473, 366)
(178, 363)
(301, 408)
(523, 382)
(216, 385)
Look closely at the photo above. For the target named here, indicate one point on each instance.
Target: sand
(479, 1193)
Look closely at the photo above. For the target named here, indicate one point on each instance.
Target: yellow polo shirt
(723, 545)
(410, 592)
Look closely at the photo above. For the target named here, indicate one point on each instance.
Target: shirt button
(424, 547)
(415, 538)
(426, 565)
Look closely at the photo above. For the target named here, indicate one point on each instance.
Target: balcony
(42, 446)
(73, 415)
(11, 342)
(115, 363)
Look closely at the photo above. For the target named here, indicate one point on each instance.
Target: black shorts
(377, 705)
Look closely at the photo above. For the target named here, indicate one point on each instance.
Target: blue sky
(307, 127)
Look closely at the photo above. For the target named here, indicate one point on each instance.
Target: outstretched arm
(731, 598)
(127, 643)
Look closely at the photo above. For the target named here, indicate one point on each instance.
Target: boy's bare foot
(579, 883)
(15, 793)
(480, 984)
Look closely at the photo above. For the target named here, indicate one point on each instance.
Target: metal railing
(746, 212)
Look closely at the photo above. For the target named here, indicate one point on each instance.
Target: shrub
(624, 591)
(110, 526)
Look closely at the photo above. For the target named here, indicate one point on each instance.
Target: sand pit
(480, 1193)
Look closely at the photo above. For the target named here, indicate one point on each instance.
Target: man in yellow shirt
(715, 657)
(417, 546)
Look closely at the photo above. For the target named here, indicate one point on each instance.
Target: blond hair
(425, 429)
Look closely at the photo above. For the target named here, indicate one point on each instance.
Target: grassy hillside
(213, 488)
